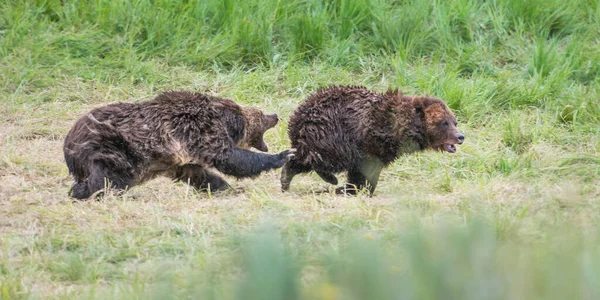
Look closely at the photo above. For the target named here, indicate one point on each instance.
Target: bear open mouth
(450, 148)
(260, 145)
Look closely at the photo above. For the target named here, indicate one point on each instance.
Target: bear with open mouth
(355, 130)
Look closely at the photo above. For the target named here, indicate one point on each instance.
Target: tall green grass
(528, 53)
(204, 32)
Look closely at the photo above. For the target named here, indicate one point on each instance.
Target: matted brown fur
(354, 129)
(178, 134)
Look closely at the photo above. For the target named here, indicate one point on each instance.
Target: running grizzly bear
(178, 134)
(359, 131)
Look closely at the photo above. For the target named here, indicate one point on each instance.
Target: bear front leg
(328, 177)
(215, 182)
(198, 177)
(355, 182)
(242, 163)
(365, 174)
(371, 168)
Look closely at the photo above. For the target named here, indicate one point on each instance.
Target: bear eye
(445, 124)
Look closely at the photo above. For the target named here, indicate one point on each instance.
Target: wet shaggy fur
(180, 135)
(355, 130)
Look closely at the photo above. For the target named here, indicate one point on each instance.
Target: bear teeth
(450, 148)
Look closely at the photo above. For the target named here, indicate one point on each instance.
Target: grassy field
(513, 215)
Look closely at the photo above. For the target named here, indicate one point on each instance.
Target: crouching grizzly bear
(178, 134)
(353, 129)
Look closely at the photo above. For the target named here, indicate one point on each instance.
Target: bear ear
(420, 104)
(394, 92)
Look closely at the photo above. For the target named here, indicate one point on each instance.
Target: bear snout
(461, 138)
(272, 120)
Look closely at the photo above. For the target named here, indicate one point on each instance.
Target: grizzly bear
(359, 131)
(178, 134)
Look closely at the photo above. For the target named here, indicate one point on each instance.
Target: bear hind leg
(289, 170)
(100, 177)
(80, 190)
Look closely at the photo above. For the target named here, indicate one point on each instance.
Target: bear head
(439, 124)
(257, 123)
